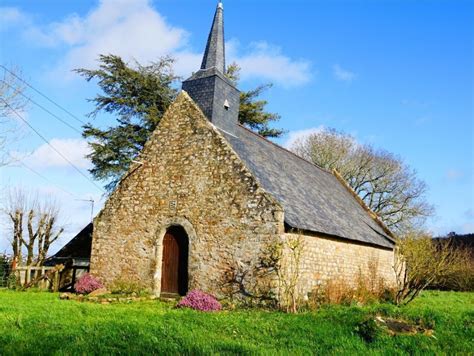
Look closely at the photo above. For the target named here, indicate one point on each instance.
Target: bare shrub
(249, 284)
(289, 272)
(421, 262)
(270, 282)
(460, 277)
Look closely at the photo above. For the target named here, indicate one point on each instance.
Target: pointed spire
(214, 93)
(214, 56)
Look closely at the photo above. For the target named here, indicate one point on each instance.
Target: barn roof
(313, 198)
(79, 247)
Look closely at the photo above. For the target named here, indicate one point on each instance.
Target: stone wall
(188, 176)
(325, 259)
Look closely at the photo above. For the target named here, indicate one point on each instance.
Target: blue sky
(395, 74)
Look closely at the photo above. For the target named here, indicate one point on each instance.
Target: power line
(43, 95)
(42, 107)
(52, 147)
(45, 178)
(90, 200)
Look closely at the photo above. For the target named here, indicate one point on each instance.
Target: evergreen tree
(139, 95)
(252, 111)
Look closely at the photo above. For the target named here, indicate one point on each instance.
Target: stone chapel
(207, 197)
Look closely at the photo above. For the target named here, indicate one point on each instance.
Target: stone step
(169, 297)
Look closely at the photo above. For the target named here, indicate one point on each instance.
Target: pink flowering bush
(87, 284)
(199, 300)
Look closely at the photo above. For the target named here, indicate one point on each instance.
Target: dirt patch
(397, 327)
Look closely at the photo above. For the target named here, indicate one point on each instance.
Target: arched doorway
(174, 269)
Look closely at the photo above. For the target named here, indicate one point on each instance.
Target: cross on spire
(214, 56)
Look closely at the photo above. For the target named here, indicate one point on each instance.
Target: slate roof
(313, 199)
(214, 55)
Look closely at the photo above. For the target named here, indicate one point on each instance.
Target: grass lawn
(40, 323)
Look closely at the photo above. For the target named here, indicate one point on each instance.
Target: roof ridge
(286, 150)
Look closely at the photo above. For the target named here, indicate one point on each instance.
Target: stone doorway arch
(175, 226)
(174, 266)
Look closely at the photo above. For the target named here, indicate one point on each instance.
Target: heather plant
(87, 284)
(201, 301)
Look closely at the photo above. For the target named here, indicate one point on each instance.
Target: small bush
(460, 275)
(13, 282)
(368, 329)
(87, 284)
(129, 287)
(199, 300)
(5, 270)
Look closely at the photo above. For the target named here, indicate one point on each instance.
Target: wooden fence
(40, 277)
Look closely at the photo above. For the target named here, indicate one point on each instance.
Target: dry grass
(368, 287)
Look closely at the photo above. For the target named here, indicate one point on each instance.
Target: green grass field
(40, 323)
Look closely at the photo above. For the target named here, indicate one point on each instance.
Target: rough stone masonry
(190, 177)
(236, 195)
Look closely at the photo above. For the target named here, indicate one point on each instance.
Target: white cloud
(133, 29)
(441, 226)
(44, 156)
(265, 61)
(11, 16)
(343, 74)
(454, 174)
(294, 136)
(467, 228)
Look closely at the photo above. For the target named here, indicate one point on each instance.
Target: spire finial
(214, 56)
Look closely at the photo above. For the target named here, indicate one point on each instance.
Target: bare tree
(382, 180)
(14, 208)
(11, 101)
(34, 225)
(50, 231)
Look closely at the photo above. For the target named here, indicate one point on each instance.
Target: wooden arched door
(174, 269)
